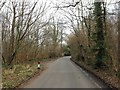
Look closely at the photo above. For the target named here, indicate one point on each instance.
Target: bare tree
(23, 19)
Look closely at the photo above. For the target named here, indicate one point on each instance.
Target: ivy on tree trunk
(100, 48)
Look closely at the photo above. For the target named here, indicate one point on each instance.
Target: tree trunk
(119, 45)
(11, 46)
(100, 49)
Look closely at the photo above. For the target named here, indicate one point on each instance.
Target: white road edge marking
(90, 78)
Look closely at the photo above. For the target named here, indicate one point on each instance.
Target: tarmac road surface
(63, 73)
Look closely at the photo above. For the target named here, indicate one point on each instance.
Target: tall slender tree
(119, 42)
(100, 46)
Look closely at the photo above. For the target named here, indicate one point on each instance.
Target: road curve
(63, 73)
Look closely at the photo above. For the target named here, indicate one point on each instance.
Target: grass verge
(19, 73)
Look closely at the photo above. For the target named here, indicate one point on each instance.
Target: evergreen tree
(100, 46)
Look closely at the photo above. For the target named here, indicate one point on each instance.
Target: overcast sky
(52, 11)
(110, 4)
(54, 3)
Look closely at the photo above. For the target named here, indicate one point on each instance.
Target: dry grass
(12, 78)
(18, 74)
